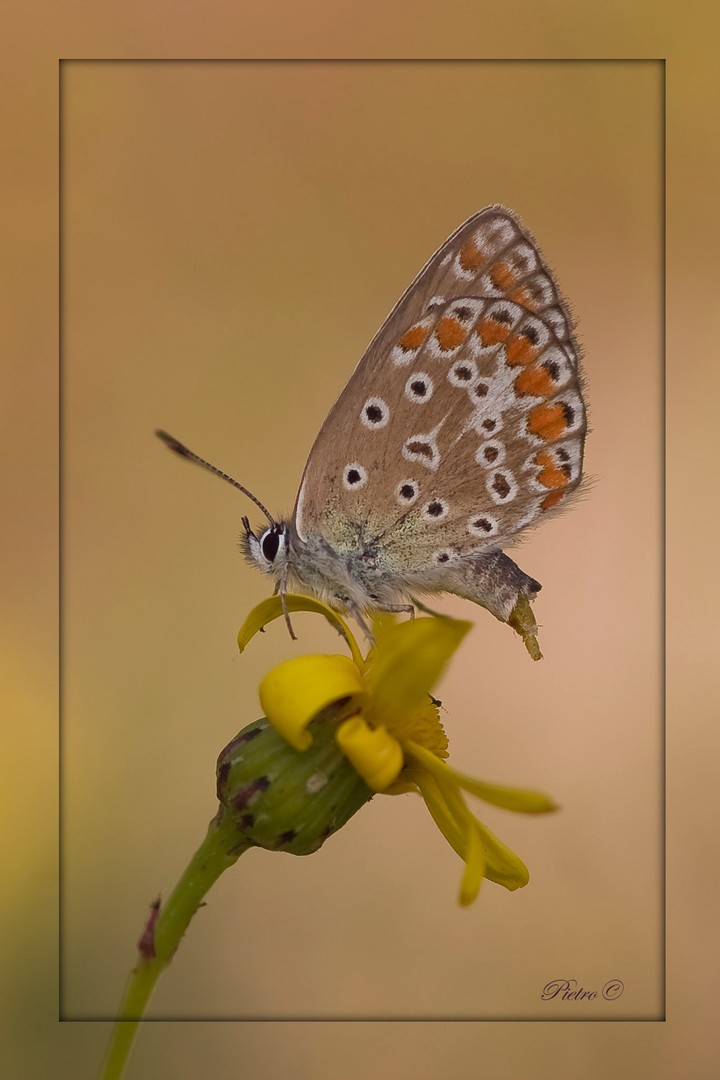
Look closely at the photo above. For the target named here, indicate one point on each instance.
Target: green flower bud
(283, 799)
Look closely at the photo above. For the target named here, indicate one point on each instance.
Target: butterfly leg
(356, 612)
(498, 584)
(282, 589)
(398, 609)
(419, 606)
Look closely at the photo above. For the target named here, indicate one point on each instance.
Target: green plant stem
(220, 849)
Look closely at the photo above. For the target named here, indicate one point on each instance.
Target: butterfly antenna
(183, 451)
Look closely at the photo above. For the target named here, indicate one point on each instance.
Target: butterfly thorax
(353, 578)
(357, 579)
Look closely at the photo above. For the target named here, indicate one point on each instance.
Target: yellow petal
(294, 692)
(457, 826)
(521, 800)
(412, 658)
(474, 869)
(270, 609)
(372, 752)
(438, 809)
(461, 829)
(503, 866)
(401, 786)
(381, 624)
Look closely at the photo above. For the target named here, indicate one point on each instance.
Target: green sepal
(283, 799)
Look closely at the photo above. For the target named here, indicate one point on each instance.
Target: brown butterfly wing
(464, 421)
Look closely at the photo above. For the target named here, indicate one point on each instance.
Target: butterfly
(462, 426)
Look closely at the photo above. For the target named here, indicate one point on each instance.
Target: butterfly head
(268, 548)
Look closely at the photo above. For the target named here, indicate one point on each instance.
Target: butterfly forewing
(464, 421)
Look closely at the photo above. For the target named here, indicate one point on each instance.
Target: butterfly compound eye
(270, 543)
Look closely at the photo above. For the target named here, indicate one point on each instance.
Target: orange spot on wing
(491, 332)
(471, 258)
(551, 475)
(534, 381)
(553, 478)
(520, 351)
(450, 333)
(522, 298)
(552, 499)
(547, 421)
(413, 338)
(502, 276)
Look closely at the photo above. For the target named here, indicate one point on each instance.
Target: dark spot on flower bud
(222, 774)
(246, 794)
(245, 736)
(286, 837)
(248, 735)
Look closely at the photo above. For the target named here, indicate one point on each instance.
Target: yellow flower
(388, 728)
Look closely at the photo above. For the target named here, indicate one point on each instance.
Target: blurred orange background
(233, 235)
